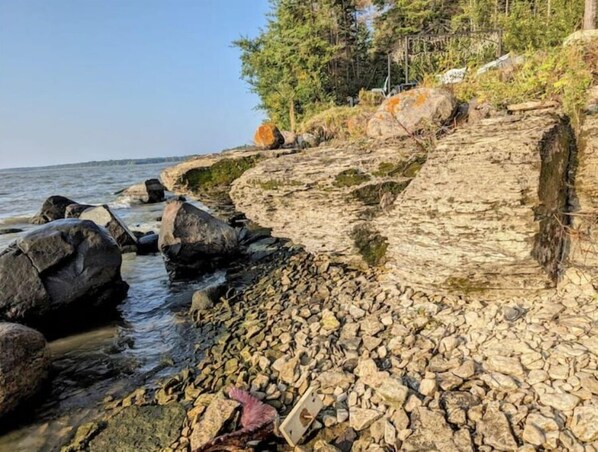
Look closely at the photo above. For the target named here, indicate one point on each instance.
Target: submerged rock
(148, 244)
(412, 111)
(10, 231)
(24, 364)
(52, 209)
(193, 241)
(141, 428)
(58, 275)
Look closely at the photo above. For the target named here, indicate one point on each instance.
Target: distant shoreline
(118, 162)
(96, 163)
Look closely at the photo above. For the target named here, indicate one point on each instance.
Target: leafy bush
(370, 98)
(563, 74)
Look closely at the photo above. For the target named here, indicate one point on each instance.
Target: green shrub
(563, 74)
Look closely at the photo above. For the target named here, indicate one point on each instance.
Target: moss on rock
(141, 428)
(219, 175)
(372, 194)
(405, 168)
(350, 178)
(371, 244)
(275, 184)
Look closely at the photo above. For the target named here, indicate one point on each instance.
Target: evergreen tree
(312, 52)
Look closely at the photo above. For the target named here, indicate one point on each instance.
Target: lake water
(151, 340)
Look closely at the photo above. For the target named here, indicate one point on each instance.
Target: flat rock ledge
(208, 177)
(325, 198)
(397, 368)
(488, 211)
(487, 214)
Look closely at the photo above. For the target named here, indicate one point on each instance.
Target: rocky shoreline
(365, 292)
(394, 367)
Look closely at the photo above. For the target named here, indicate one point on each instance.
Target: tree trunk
(292, 118)
(589, 20)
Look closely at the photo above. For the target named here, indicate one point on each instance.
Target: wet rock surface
(193, 241)
(103, 216)
(148, 192)
(52, 209)
(24, 364)
(140, 428)
(55, 276)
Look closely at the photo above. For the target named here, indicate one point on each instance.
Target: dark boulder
(24, 364)
(75, 210)
(103, 216)
(52, 209)
(10, 231)
(193, 241)
(148, 244)
(148, 192)
(54, 277)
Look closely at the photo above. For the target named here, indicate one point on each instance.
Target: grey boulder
(103, 216)
(193, 241)
(52, 209)
(24, 364)
(54, 277)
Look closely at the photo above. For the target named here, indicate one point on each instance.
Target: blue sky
(103, 79)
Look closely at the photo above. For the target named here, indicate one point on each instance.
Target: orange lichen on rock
(421, 99)
(267, 136)
(391, 103)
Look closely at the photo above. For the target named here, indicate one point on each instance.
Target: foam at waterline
(11, 221)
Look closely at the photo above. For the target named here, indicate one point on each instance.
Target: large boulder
(487, 214)
(581, 37)
(149, 192)
(411, 112)
(103, 216)
(24, 364)
(60, 275)
(325, 198)
(193, 241)
(584, 223)
(267, 136)
(52, 209)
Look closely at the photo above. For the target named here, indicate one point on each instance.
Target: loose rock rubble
(399, 369)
